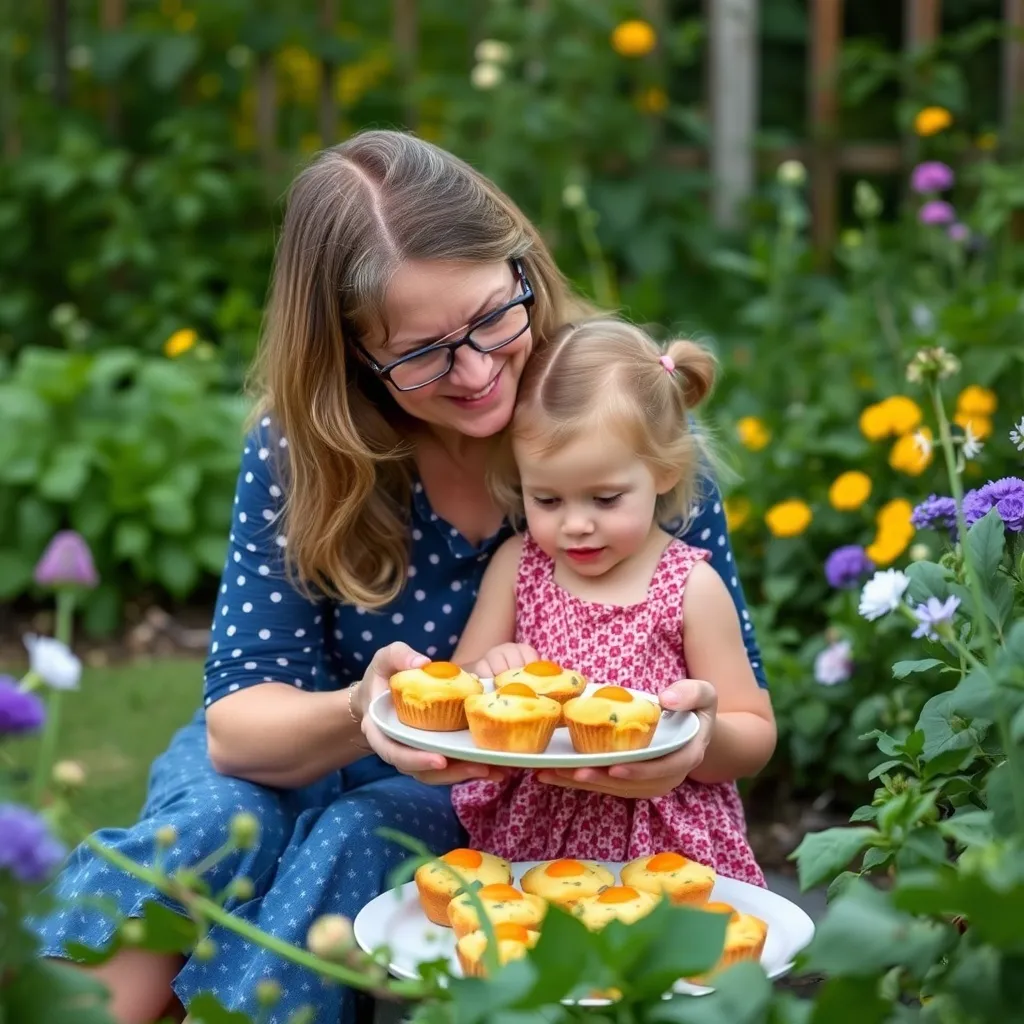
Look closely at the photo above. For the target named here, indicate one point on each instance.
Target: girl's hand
(659, 776)
(502, 657)
(434, 769)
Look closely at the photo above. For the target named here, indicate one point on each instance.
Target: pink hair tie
(669, 363)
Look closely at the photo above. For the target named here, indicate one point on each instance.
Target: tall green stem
(51, 728)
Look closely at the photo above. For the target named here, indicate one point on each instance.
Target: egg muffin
(566, 881)
(745, 936)
(681, 879)
(609, 719)
(546, 679)
(502, 903)
(433, 697)
(616, 903)
(512, 718)
(513, 942)
(437, 886)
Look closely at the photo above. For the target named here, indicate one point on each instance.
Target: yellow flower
(981, 426)
(987, 141)
(753, 434)
(310, 142)
(180, 342)
(355, 80)
(850, 490)
(976, 401)
(788, 518)
(895, 416)
(874, 422)
(737, 512)
(895, 513)
(634, 38)
(300, 72)
(652, 100)
(908, 456)
(890, 542)
(932, 120)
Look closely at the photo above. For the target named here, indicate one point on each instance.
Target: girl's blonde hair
(608, 374)
(354, 216)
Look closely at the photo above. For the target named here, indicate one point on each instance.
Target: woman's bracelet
(351, 693)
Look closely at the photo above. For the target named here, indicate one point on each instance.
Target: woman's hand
(434, 769)
(503, 657)
(660, 775)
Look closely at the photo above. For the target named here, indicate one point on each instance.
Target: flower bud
(206, 949)
(573, 196)
(241, 889)
(867, 203)
(492, 51)
(330, 937)
(133, 932)
(791, 172)
(920, 552)
(486, 75)
(245, 830)
(268, 992)
(67, 561)
(165, 836)
(69, 774)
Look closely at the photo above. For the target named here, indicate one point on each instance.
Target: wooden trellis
(732, 90)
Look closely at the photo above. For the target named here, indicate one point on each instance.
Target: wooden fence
(732, 93)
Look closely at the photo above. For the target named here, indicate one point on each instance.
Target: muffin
(546, 679)
(433, 697)
(611, 718)
(566, 881)
(502, 903)
(513, 942)
(437, 885)
(681, 879)
(616, 903)
(745, 937)
(512, 718)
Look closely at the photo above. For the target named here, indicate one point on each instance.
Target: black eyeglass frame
(526, 299)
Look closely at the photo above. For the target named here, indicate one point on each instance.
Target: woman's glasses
(488, 333)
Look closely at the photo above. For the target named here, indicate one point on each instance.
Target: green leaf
(943, 729)
(176, 569)
(949, 762)
(741, 996)
(810, 717)
(560, 958)
(15, 573)
(57, 993)
(840, 884)
(850, 1001)
(888, 745)
(999, 797)
(866, 812)
(171, 58)
(210, 551)
(927, 579)
(478, 1001)
(984, 546)
(66, 473)
(880, 769)
(863, 932)
(131, 539)
(822, 855)
(975, 696)
(206, 1008)
(902, 669)
(969, 828)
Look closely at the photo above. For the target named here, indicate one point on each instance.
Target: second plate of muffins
(448, 711)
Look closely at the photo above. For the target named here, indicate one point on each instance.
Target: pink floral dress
(639, 646)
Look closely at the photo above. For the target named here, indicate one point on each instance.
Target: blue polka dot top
(266, 630)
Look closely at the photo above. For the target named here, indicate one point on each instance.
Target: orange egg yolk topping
(516, 690)
(441, 669)
(463, 858)
(507, 931)
(613, 693)
(543, 668)
(717, 907)
(564, 869)
(499, 891)
(618, 894)
(666, 862)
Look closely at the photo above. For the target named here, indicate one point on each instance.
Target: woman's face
(431, 300)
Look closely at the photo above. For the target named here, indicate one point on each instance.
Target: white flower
(970, 445)
(924, 444)
(919, 552)
(486, 75)
(492, 51)
(53, 662)
(834, 664)
(922, 318)
(791, 172)
(1017, 435)
(573, 196)
(882, 593)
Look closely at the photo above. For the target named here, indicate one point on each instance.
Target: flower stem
(51, 727)
(209, 910)
(604, 290)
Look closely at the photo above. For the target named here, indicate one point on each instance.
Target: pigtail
(694, 368)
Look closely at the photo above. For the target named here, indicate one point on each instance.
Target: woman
(408, 293)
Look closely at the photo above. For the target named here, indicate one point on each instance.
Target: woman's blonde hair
(354, 216)
(605, 374)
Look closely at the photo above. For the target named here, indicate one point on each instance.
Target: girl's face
(431, 300)
(591, 504)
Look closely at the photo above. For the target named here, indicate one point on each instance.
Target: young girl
(604, 454)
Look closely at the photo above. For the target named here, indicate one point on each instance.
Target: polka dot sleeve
(709, 530)
(263, 628)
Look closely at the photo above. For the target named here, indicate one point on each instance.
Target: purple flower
(931, 176)
(846, 565)
(933, 615)
(19, 711)
(66, 560)
(27, 849)
(934, 514)
(834, 664)
(958, 232)
(936, 211)
(1006, 496)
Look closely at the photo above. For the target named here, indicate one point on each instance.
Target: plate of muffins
(542, 715)
(431, 917)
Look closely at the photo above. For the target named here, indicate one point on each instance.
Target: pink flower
(931, 176)
(936, 211)
(67, 561)
(958, 232)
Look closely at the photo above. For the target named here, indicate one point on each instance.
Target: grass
(115, 725)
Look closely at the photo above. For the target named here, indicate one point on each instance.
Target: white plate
(396, 920)
(674, 730)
